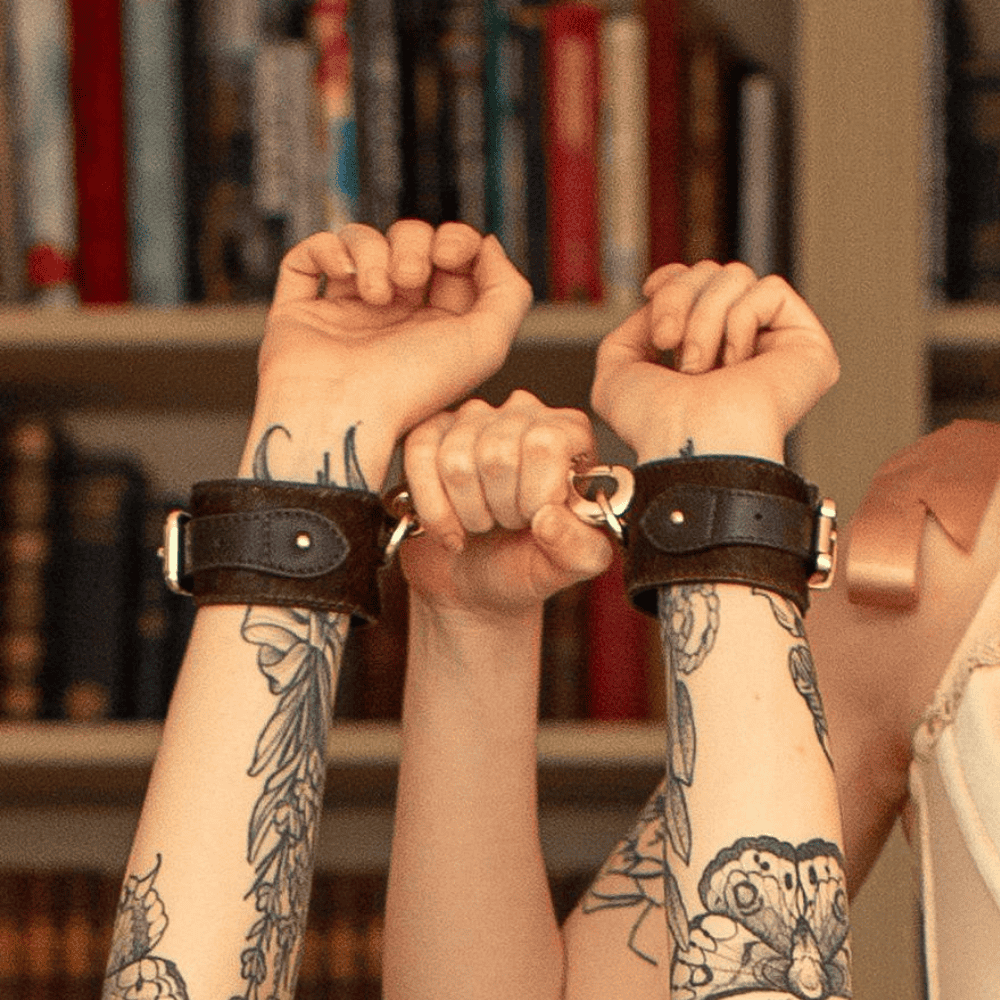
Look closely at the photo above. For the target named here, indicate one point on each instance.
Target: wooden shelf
(965, 325)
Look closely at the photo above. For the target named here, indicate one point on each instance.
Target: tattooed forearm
(140, 921)
(299, 653)
(774, 919)
(801, 665)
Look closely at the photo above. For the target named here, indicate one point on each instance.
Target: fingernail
(454, 543)
(691, 359)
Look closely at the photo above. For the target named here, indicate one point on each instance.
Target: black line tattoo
(140, 921)
(800, 664)
(299, 653)
(689, 623)
(634, 876)
(775, 919)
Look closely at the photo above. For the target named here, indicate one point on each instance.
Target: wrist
(304, 433)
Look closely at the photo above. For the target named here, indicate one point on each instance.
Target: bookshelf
(857, 73)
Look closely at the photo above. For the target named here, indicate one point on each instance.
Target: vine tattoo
(636, 874)
(299, 653)
(774, 918)
(800, 664)
(133, 969)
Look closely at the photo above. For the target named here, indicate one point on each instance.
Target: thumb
(573, 551)
(503, 295)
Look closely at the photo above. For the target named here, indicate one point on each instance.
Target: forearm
(469, 912)
(227, 835)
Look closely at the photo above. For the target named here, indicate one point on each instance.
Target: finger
(498, 457)
(708, 320)
(503, 298)
(309, 264)
(458, 467)
(455, 246)
(410, 243)
(369, 250)
(453, 293)
(548, 450)
(673, 301)
(573, 550)
(661, 275)
(427, 492)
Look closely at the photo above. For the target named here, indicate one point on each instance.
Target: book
(666, 141)
(624, 158)
(572, 75)
(563, 685)
(44, 141)
(154, 151)
(462, 45)
(758, 186)
(99, 144)
(328, 30)
(33, 457)
(99, 578)
(378, 103)
(234, 249)
(427, 191)
(618, 646)
(707, 193)
(11, 260)
(288, 176)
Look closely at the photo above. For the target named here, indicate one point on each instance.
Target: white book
(757, 200)
(41, 105)
(624, 158)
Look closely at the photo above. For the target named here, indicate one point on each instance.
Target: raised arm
(367, 335)
(733, 879)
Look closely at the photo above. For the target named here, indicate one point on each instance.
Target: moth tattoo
(140, 920)
(775, 920)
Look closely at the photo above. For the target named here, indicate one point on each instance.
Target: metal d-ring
(590, 502)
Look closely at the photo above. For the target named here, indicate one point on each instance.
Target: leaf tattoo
(801, 665)
(140, 922)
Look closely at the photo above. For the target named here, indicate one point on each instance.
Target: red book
(666, 213)
(572, 71)
(619, 644)
(98, 119)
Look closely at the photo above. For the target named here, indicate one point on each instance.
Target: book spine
(40, 36)
(706, 188)
(104, 500)
(99, 132)
(666, 143)
(463, 43)
(528, 38)
(288, 183)
(759, 169)
(328, 27)
(12, 288)
(379, 113)
(426, 190)
(624, 185)
(618, 644)
(564, 655)
(154, 148)
(572, 69)
(33, 453)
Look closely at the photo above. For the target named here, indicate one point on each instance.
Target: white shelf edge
(238, 326)
(580, 745)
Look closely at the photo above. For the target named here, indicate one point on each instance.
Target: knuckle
(521, 399)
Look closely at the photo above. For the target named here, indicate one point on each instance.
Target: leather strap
(720, 519)
(285, 544)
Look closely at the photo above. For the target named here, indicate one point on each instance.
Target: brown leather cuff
(277, 543)
(720, 519)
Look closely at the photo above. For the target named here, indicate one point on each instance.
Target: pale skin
(469, 911)
(367, 336)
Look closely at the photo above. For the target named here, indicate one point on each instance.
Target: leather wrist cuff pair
(277, 543)
(726, 519)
